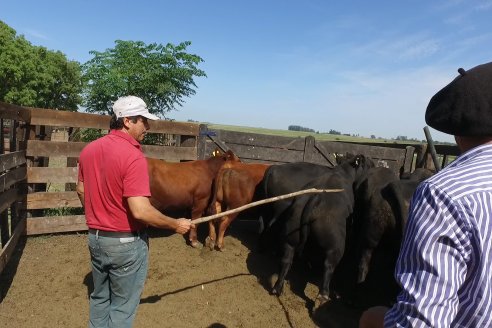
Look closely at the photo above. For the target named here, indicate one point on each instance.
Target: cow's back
(177, 186)
(282, 179)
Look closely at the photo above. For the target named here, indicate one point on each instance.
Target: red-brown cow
(234, 186)
(186, 185)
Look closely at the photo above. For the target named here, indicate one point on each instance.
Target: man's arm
(80, 191)
(373, 317)
(431, 266)
(142, 210)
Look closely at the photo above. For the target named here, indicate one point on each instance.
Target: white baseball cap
(132, 106)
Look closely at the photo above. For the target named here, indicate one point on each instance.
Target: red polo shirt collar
(127, 137)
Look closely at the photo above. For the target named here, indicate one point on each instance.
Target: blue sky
(359, 67)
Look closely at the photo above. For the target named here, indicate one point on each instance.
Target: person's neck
(467, 143)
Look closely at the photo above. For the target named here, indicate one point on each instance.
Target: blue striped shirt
(445, 263)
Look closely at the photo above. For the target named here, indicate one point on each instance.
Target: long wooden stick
(263, 201)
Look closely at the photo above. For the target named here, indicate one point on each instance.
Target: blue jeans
(119, 270)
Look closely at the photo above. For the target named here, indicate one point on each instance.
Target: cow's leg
(285, 264)
(365, 260)
(192, 237)
(212, 235)
(210, 241)
(332, 258)
(373, 233)
(224, 223)
(196, 213)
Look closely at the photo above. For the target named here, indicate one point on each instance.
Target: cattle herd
(353, 235)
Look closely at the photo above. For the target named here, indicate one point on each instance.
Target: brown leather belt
(115, 234)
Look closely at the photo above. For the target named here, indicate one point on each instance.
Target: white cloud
(36, 34)
(484, 5)
(401, 48)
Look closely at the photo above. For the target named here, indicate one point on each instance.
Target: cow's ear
(216, 152)
(231, 156)
(338, 158)
(359, 160)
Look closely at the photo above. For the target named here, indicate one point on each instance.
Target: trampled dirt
(48, 280)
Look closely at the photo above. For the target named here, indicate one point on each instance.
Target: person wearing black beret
(445, 261)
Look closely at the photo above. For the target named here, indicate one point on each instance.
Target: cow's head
(230, 156)
(361, 162)
(226, 156)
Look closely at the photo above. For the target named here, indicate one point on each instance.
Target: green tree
(34, 76)
(161, 75)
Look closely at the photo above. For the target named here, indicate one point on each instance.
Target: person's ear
(126, 122)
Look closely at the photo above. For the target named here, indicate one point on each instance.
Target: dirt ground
(48, 280)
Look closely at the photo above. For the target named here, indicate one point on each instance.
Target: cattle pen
(40, 148)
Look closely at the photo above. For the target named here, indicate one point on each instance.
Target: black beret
(464, 106)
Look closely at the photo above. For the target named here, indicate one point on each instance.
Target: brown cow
(185, 185)
(234, 186)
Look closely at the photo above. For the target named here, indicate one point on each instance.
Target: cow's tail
(216, 185)
(398, 204)
(262, 193)
(305, 222)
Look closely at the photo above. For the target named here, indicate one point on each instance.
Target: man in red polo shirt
(114, 188)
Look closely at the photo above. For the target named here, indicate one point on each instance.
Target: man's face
(138, 130)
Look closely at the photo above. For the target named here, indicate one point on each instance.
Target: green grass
(294, 134)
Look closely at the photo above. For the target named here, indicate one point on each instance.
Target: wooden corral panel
(9, 248)
(52, 174)
(11, 177)
(36, 226)
(14, 112)
(170, 153)
(12, 193)
(39, 200)
(252, 147)
(13, 167)
(49, 117)
(393, 158)
(41, 148)
(12, 159)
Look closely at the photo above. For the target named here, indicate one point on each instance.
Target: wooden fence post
(308, 149)
(201, 145)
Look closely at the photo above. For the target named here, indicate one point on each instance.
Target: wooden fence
(274, 149)
(40, 148)
(35, 156)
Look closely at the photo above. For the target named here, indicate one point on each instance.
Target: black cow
(279, 180)
(321, 219)
(374, 215)
(382, 202)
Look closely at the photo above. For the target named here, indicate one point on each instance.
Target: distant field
(288, 133)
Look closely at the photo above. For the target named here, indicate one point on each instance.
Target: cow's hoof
(210, 243)
(320, 300)
(277, 289)
(195, 244)
(272, 282)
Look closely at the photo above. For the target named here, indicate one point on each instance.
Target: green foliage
(161, 75)
(37, 77)
(91, 134)
(299, 128)
(63, 211)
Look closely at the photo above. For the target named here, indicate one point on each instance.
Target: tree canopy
(161, 75)
(34, 76)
